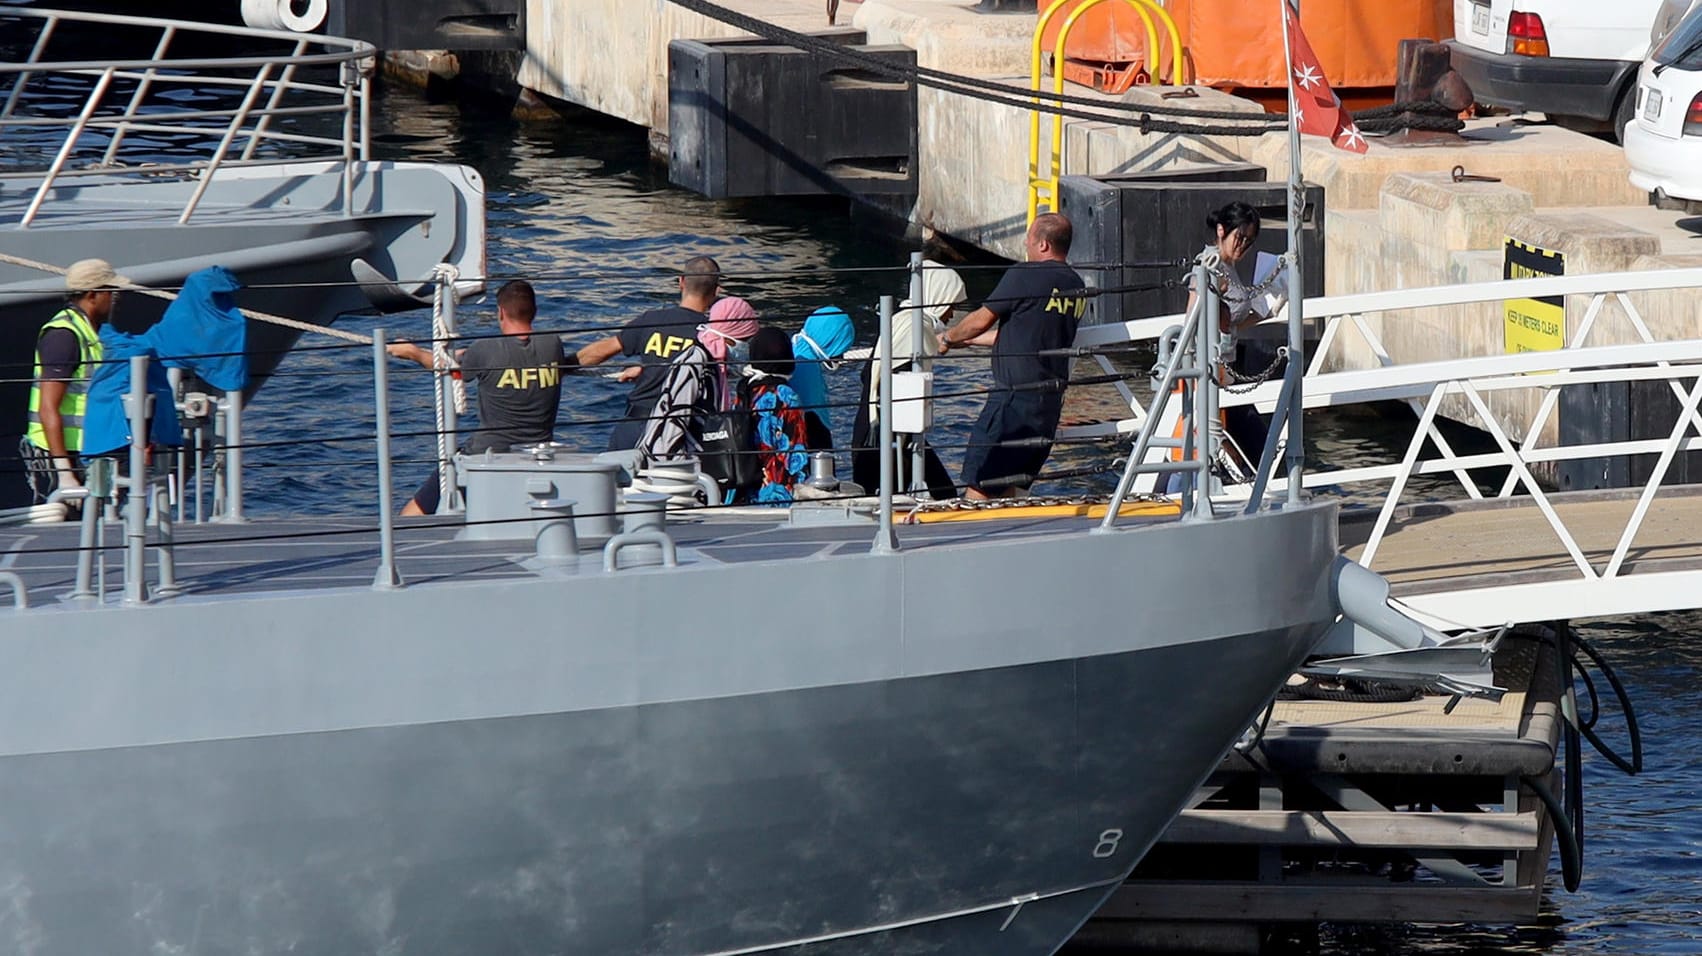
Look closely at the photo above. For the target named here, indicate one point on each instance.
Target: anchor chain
(1246, 383)
(1030, 501)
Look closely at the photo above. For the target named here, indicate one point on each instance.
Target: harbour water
(578, 208)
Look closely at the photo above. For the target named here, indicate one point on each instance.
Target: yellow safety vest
(76, 398)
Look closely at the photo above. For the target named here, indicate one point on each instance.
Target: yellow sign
(1533, 325)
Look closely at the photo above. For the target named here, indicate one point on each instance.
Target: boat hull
(690, 827)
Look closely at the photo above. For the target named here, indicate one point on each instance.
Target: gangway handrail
(1419, 297)
(1469, 383)
(265, 92)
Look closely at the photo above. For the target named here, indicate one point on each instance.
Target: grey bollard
(822, 477)
(644, 527)
(557, 542)
(645, 511)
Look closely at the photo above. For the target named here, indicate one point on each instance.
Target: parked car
(1664, 144)
(1574, 60)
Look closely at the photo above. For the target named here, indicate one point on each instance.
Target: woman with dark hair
(1234, 228)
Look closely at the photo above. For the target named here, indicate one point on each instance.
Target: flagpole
(1295, 450)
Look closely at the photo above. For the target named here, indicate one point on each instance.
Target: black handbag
(727, 448)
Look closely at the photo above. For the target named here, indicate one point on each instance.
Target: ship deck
(315, 553)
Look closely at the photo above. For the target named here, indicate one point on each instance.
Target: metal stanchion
(1205, 335)
(387, 577)
(886, 539)
(233, 458)
(917, 443)
(136, 508)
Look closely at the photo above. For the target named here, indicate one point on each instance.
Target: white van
(1575, 60)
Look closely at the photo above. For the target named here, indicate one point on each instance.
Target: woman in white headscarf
(942, 291)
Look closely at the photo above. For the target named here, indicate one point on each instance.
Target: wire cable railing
(211, 460)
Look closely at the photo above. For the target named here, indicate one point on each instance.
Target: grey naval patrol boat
(175, 153)
(575, 720)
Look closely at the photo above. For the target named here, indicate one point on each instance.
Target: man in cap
(67, 351)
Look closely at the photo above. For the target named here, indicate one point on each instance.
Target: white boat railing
(1467, 385)
(130, 97)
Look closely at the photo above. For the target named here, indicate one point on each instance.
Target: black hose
(1632, 766)
(1571, 855)
(1574, 779)
(1635, 764)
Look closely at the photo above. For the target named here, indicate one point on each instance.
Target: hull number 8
(1107, 845)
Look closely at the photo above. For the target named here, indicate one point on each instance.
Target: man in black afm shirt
(1036, 307)
(518, 376)
(654, 338)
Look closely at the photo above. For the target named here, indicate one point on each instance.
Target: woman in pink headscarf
(697, 383)
(731, 323)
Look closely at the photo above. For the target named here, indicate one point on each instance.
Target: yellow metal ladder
(1043, 176)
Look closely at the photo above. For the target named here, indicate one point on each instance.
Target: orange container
(1107, 44)
(1238, 43)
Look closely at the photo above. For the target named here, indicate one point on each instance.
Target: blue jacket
(202, 331)
(106, 428)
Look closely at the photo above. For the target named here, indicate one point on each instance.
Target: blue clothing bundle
(202, 331)
(826, 335)
(106, 426)
(780, 435)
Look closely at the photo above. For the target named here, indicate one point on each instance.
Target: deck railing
(1467, 389)
(263, 124)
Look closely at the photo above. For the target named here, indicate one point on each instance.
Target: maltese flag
(1317, 110)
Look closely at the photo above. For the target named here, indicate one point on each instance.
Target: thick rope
(443, 363)
(442, 360)
(267, 317)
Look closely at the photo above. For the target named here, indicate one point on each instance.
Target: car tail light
(1693, 117)
(1526, 34)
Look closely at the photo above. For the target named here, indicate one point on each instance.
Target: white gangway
(1513, 550)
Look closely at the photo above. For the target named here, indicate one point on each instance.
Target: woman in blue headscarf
(827, 333)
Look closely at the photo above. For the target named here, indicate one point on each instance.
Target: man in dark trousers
(1036, 307)
(67, 352)
(518, 377)
(654, 338)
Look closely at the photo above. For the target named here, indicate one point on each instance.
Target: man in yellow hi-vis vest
(67, 351)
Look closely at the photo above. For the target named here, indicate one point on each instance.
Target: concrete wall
(612, 55)
(1557, 167)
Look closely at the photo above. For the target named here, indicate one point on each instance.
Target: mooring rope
(443, 363)
(256, 315)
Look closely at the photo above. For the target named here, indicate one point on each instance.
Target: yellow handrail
(1175, 43)
(1045, 180)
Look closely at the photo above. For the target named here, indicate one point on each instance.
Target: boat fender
(282, 15)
